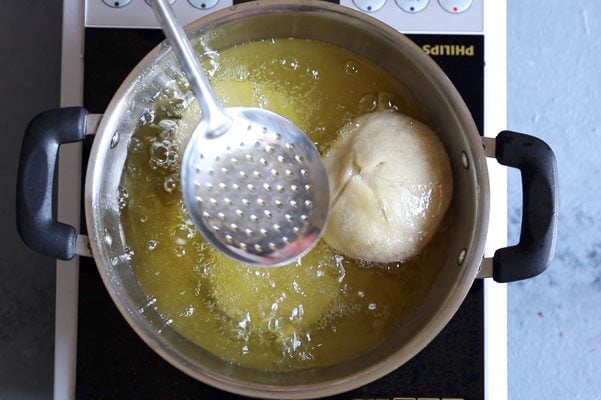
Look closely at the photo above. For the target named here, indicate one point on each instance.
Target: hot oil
(322, 310)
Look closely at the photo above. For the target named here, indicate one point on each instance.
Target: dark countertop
(30, 35)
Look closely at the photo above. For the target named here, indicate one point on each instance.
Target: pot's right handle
(538, 167)
(36, 214)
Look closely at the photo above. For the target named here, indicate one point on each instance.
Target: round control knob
(412, 6)
(369, 5)
(203, 4)
(116, 3)
(455, 6)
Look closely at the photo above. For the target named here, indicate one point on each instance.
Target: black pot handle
(538, 167)
(36, 182)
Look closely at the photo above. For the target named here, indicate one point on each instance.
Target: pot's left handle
(36, 182)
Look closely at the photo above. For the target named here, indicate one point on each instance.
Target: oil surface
(319, 311)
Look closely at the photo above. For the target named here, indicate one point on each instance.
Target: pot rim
(436, 321)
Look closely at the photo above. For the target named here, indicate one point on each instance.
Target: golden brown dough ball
(391, 185)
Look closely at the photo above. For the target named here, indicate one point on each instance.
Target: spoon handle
(212, 110)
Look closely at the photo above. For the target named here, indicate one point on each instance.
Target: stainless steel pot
(396, 55)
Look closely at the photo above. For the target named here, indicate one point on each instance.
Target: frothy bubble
(135, 145)
(351, 68)
(152, 244)
(170, 183)
(211, 62)
(147, 117)
(128, 254)
(313, 73)
(368, 103)
(175, 107)
(180, 251)
(182, 234)
(122, 197)
(167, 129)
(241, 74)
(183, 83)
(164, 155)
(290, 63)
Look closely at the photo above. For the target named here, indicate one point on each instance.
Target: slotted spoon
(254, 184)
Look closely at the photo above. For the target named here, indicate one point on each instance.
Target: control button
(170, 1)
(116, 3)
(203, 4)
(369, 5)
(455, 6)
(412, 6)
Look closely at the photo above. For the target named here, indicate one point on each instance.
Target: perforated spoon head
(254, 184)
(259, 192)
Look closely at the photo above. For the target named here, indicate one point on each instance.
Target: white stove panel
(138, 14)
(408, 16)
(421, 16)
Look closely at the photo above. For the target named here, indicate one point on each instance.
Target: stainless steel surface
(82, 246)
(486, 268)
(92, 122)
(489, 145)
(388, 49)
(253, 183)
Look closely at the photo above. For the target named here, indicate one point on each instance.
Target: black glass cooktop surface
(114, 363)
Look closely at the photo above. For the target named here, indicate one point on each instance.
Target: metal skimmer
(253, 182)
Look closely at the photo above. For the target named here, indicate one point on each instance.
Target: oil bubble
(149, 304)
(297, 313)
(128, 254)
(167, 129)
(351, 68)
(313, 73)
(122, 197)
(134, 145)
(189, 311)
(183, 83)
(152, 244)
(211, 62)
(290, 63)
(184, 214)
(158, 153)
(126, 257)
(180, 251)
(386, 102)
(147, 117)
(182, 234)
(263, 101)
(164, 94)
(175, 107)
(170, 184)
(241, 74)
(368, 103)
(164, 155)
